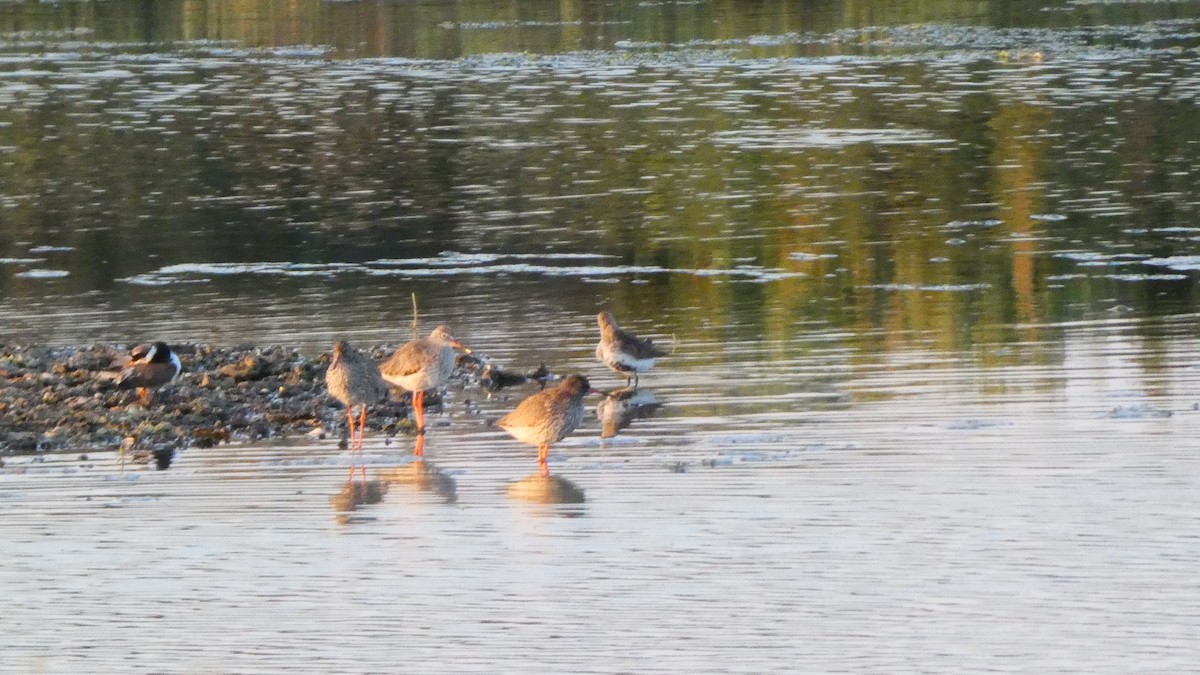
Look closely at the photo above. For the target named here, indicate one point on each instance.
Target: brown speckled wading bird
(624, 352)
(149, 368)
(354, 379)
(548, 416)
(421, 365)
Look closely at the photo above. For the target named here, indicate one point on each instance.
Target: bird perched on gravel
(149, 368)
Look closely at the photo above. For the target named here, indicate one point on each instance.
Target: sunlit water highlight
(917, 513)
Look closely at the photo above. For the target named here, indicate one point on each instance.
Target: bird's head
(442, 334)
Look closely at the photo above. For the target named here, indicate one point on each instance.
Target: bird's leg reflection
(354, 494)
(419, 447)
(422, 475)
(362, 423)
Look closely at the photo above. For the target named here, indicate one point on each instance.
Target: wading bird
(624, 352)
(548, 416)
(354, 379)
(422, 365)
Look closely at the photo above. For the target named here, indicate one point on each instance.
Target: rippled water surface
(928, 274)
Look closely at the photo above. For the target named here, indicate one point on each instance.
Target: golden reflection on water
(552, 489)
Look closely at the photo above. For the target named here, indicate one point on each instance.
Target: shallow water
(929, 275)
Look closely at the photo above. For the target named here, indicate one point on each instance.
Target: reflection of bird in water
(354, 379)
(149, 368)
(621, 407)
(355, 494)
(422, 475)
(421, 365)
(624, 352)
(546, 490)
(493, 378)
(548, 416)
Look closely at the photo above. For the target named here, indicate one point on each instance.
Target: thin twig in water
(414, 299)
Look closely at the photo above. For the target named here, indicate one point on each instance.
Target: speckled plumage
(422, 364)
(353, 378)
(548, 416)
(622, 351)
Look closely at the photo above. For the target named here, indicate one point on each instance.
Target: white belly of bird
(618, 360)
(528, 435)
(429, 378)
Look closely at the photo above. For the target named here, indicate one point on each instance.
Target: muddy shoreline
(55, 399)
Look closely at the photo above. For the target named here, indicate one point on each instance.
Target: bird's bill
(337, 356)
(459, 345)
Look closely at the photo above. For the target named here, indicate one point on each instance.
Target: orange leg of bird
(543, 456)
(419, 448)
(362, 423)
(350, 445)
(144, 396)
(419, 409)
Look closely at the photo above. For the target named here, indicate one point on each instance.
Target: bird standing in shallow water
(354, 379)
(624, 352)
(149, 369)
(548, 416)
(421, 365)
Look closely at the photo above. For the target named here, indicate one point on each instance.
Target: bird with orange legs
(422, 365)
(354, 379)
(548, 416)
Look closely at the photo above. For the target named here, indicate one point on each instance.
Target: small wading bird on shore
(548, 416)
(149, 368)
(354, 379)
(422, 365)
(624, 352)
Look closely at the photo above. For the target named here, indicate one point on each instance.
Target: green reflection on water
(928, 230)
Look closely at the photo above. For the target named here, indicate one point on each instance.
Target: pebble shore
(55, 399)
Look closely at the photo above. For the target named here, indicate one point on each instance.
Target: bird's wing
(409, 359)
(638, 348)
(145, 375)
(533, 408)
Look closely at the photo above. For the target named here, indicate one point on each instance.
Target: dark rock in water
(470, 362)
(541, 375)
(493, 378)
(163, 457)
